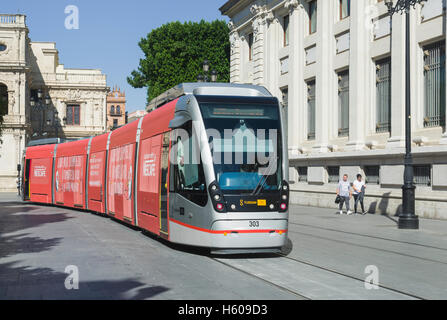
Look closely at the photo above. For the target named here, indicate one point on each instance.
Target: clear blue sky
(109, 32)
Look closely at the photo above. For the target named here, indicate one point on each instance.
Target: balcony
(12, 20)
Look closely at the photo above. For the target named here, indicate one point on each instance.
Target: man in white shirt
(359, 187)
(344, 190)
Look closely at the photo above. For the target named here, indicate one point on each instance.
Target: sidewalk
(9, 197)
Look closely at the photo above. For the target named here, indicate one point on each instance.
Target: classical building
(339, 70)
(136, 115)
(44, 99)
(116, 109)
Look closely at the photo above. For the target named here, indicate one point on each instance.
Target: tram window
(189, 176)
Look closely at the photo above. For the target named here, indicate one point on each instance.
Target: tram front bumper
(250, 233)
(234, 234)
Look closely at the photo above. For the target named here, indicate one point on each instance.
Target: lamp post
(39, 105)
(407, 219)
(207, 76)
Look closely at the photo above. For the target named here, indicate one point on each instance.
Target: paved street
(325, 259)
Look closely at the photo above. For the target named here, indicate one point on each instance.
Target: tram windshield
(245, 141)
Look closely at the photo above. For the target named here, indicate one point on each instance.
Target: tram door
(164, 184)
(25, 179)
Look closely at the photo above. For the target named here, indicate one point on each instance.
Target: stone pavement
(327, 257)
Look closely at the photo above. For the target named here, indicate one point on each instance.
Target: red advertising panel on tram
(149, 184)
(96, 174)
(39, 173)
(120, 173)
(69, 178)
(120, 182)
(40, 180)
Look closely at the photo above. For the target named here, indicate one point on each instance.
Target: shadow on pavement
(23, 282)
(26, 283)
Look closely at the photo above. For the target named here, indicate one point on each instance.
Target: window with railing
(302, 174)
(383, 95)
(333, 174)
(434, 78)
(372, 174)
(343, 104)
(422, 175)
(311, 110)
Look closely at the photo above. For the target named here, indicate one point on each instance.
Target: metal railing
(343, 104)
(383, 97)
(311, 110)
(434, 77)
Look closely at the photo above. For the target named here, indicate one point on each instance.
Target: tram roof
(208, 88)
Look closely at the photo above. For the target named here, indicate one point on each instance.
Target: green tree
(174, 53)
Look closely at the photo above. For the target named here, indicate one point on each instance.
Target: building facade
(338, 66)
(116, 109)
(44, 99)
(133, 116)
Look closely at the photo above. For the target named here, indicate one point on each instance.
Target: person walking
(344, 191)
(359, 187)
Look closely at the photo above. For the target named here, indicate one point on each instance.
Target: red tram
(129, 174)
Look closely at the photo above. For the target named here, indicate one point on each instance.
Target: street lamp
(407, 219)
(206, 72)
(40, 104)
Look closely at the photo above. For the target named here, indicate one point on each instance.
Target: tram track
(312, 265)
(367, 236)
(299, 295)
(368, 247)
(350, 276)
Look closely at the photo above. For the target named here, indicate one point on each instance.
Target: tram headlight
(217, 197)
(285, 196)
(272, 207)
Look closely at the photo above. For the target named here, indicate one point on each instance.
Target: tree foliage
(174, 53)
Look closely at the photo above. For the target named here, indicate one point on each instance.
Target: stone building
(133, 116)
(338, 66)
(44, 98)
(116, 109)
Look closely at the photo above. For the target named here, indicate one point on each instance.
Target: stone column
(398, 75)
(296, 71)
(325, 74)
(359, 75)
(235, 59)
(259, 28)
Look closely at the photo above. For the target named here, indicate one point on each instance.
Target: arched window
(112, 110)
(3, 99)
(118, 110)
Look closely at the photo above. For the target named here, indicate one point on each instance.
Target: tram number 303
(253, 224)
